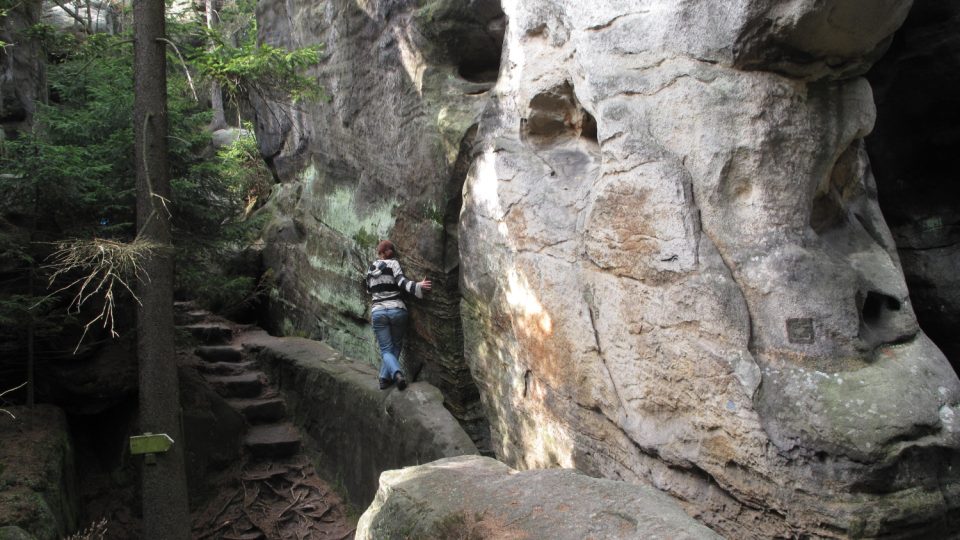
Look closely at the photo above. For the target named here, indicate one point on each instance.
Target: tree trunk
(165, 509)
(219, 120)
(31, 288)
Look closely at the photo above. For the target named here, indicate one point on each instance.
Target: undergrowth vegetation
(71, 177)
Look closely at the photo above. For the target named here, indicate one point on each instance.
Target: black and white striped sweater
(385, 281)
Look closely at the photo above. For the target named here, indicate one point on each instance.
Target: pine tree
(165, 509)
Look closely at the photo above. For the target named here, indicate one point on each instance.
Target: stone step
(226, 368)
(245, 385)
(210, 333)
(182, 306)
(272, 440)
(260, 411)
(193, 316)
(219, 353)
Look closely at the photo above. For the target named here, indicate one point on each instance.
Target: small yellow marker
(150, 444)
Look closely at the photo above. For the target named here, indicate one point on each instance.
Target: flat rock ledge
(357, 430)
(479, 497)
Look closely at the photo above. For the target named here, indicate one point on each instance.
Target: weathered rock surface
(38, 486)
(101, 16)
(22, 73)
(386, 157)
(223, 138)
(478, 497)
(15, 533)
(673, 266)
(357, 429)
(93, 383)
(675, 269)
(913, 148)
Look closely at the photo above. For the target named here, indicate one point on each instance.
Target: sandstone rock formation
(672, 263)
(675, 269)
(386, 157)
(38, 483)
(357, 430)
(912, 148)
(477, 497)
(95, 16)
(22, 72)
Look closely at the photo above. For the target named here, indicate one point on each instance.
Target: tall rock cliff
(385, 158)
(672, 262)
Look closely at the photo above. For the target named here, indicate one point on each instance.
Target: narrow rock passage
(273, 492)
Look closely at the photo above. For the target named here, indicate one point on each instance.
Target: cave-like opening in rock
(461, 394)
(556, 113)
(472, 38)
(877, 307)
(912, 152)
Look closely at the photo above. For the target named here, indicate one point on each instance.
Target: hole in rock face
(469, 34)
(877, 307)
(881, 321)
(833, 196)
(479, 69)
(588, 129)
(557, 113)
(826, 212)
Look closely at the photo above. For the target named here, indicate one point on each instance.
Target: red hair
(385, 245)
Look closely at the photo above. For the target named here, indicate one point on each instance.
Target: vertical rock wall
(675, 270)
(22, 74)
(385, 158)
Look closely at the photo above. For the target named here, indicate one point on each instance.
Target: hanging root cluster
(104, 267)
(282, 501)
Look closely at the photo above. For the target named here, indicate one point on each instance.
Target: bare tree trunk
(219, 120)
(166, 513)
(31, 286)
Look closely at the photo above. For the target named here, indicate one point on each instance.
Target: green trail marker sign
(150, 444)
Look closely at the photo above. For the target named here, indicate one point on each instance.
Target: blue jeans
(389, 326)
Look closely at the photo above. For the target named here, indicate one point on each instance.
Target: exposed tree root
(275, 501)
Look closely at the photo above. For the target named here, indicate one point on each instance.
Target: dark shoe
(385, 383)
(400, 380)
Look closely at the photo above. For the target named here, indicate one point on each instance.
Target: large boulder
(477, 497)
(385, 158)
(93, 382)
(38, 485)
(675, 270)
(917, 88)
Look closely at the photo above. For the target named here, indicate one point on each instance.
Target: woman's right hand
(425, 285)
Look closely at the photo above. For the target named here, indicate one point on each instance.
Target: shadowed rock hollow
(917, 88)
(672, 262)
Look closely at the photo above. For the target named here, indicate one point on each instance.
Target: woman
(388, 313)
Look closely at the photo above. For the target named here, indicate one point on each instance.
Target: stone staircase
(273, 492)
(270, 434)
